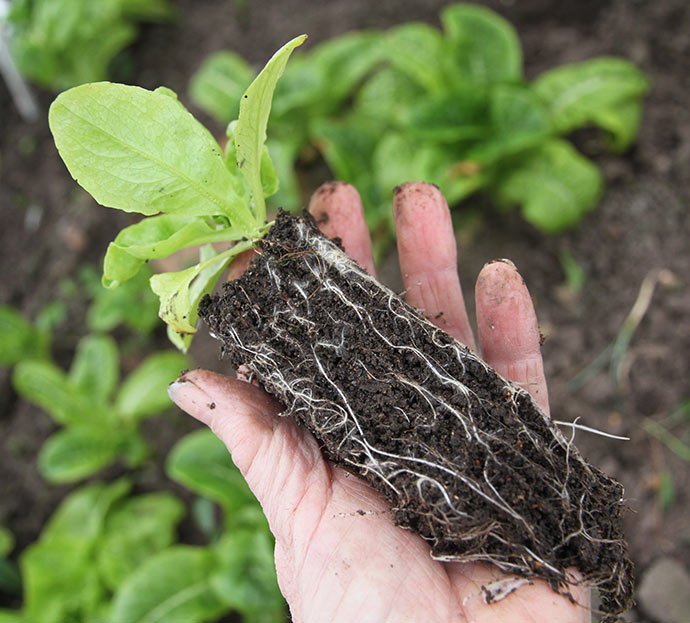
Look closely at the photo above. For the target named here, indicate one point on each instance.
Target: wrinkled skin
(333, 563)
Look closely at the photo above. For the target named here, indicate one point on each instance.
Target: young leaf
(180, 294)
(250, 133)
(485, 46)
(518, 121)
(387, 97)
(578, 93)
(82, 513)
(621, 121)
(217, 87)
(555, 185)
(75, 453)
(136, 529)
(157, 237)
(19, 339)
(133, 304)
(246, 577)
(201, 463)
(172, 585)
(47, 386)
(144, 391)
(96, 367)
(141, 151)
(421, 53)
(449, 117)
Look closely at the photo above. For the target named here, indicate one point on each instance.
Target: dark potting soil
(466, 459)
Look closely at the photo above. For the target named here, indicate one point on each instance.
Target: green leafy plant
(62, 43)
(451, 107)
(132, 305)
(141, 151)
(108, 556)
(100, 421)
(21, 339)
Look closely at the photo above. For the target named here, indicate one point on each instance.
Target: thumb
(280, 461)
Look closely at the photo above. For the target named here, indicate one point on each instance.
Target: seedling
(466, 458)
(100, 421)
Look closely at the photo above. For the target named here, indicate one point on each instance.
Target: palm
(339, 557)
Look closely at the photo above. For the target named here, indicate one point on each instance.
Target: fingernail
(504, 260)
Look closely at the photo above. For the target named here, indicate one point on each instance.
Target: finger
(338, 211)
(508, 332)
(240, 263)
(280, 461)
(428, 258)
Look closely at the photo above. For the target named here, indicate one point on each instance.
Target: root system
(465, 457)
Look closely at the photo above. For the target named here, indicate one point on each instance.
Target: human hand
(333, 562)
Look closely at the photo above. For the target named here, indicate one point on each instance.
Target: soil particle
(465, 457)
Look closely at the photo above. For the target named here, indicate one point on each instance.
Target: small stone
(664, 591)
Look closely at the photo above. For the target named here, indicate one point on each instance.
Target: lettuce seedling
(100, 420)
(142, 151)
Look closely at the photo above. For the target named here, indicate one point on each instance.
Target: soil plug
(465, 457)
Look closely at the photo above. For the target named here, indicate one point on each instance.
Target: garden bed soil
(50, 228)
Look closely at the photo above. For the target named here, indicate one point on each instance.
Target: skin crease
(333, 563)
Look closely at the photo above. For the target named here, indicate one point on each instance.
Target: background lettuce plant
(62, 43)
(107, 555)
(100, 420)
(450, 107)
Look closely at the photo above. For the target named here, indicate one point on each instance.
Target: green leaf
(19, 339)
(485, 46)
(75, 453)
(269, 175)
(145, 391)
(202, 463)
(400, 158)
(132, 304)
(218, 85)
(45, 385)
(621, 121)
(96, 367)
(518, 121)
(450, 116)
(81, 515)
(11, 616)
(180, 292)
(6, 541)
(246, 577)
(420, 52)
(591, 92)
(59, 583)
(555, 185)
(135, 530)
(142, 151)
(157, 237)
(173, 585)
(387, 96)
(250, 133)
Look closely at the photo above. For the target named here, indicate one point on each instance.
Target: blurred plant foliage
(107, 555)
(449, 107)
(100, 418)
(62, 43)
